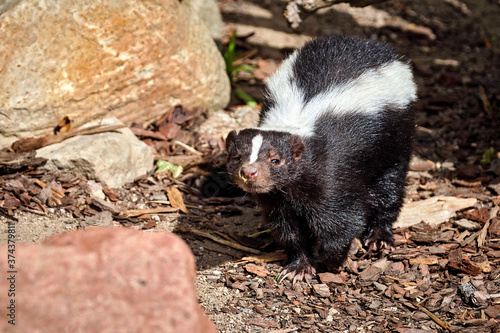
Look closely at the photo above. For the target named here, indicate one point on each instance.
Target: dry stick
(223, 235)
(29, 144)
(187, 147)
(268, 257)
(138, 212)
(234, 245)
(482, 234)
(468, 240)
(433, 317)
(245, 56)
(226, 251)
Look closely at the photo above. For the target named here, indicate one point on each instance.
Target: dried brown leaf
(176, 200)
(259, 270)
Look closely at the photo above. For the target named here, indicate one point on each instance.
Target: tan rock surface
(87, 59)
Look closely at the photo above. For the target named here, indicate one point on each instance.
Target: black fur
(345, 180)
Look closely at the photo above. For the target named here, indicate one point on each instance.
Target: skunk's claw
(304, 273)
(379, 245)
(379, 239)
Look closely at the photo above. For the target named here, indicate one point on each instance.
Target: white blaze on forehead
(256, 144)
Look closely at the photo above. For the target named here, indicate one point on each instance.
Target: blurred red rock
(104, 280)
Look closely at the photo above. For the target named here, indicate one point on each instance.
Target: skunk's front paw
(380, 238)
(297, 271)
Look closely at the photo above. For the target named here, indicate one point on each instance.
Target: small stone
(114, 158)
(95, 190)
(467, 289)
(101, 219)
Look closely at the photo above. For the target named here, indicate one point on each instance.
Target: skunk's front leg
(291, 232)
(299, 268)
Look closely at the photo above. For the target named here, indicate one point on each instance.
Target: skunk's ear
(230, 139)
(297, 146)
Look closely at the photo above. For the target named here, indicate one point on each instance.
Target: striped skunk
(328, 160)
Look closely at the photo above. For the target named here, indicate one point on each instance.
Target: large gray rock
(114, 158)
(209, 13)
(102, 280)
(86, 59)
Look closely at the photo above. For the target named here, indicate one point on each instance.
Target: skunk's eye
(235, 158)
(273, 157)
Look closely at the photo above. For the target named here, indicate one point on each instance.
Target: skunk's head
(263, 161)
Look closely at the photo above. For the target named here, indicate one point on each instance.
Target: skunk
(328, 160)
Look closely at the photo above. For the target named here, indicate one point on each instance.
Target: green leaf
(487, 156)
(164, 166)
(245, 97)
(229, 55)
(246, 68)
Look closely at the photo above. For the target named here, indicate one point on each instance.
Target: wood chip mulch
(444, 278)
(441, 278)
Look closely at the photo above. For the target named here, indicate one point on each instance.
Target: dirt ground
(454, 48)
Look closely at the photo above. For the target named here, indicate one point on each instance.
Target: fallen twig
(268, 257)
(217, 239)
(482, 234)
(139, 212)
(433, 317)
(187, 147)
(28, 144)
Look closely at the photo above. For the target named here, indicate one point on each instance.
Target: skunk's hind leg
(336, 230)
(386, 198)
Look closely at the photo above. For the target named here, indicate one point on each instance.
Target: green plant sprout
(232, 71)
(487, 156)
(164, 166)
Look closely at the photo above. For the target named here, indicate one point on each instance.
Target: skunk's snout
(249, 172)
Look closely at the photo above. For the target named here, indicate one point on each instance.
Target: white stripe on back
(389, 86)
